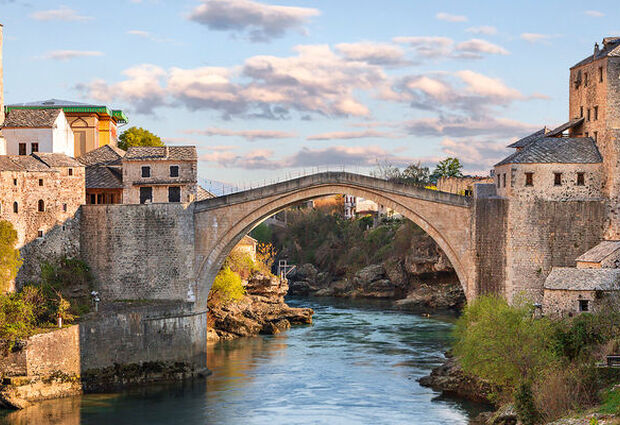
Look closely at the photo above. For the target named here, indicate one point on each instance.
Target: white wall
(54, 140)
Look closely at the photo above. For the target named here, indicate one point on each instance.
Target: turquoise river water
(357, 364)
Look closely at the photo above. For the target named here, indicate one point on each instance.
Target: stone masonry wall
(543, 234)
(46, 353)
(146, 333)
(561, 302)
(490, 242)
(62, 195)
(140, 251)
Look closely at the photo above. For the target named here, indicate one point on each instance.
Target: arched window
(41, 205)
(15, 207)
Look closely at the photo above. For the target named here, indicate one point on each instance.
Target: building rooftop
(23, 163)
(102, 177)
(600, 252)
(69, 107)
(105, 155)
(574, 279)
(523, 142)
(562, 128)
(57, 159)
(555, 150)
(161, 153)
(610, 47)
(31, 118)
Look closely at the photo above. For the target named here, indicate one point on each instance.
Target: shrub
(17, 320)
(227, 286)
(524, 404)
(503, 343)
(10, 260)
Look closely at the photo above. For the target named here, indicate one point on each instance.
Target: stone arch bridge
(221, 222)
(174, 251)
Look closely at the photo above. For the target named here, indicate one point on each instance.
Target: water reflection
(357, 364)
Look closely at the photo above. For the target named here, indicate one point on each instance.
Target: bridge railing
(219, 188)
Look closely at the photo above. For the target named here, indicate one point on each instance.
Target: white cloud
(373, 53)
(347, 135)
(64, 55)
(594, 13)
(250, 135)
(63, 13)
(484, 86)
(483, 29)
(434, 47)
(532, 37)
(139, 33)
(442, 16)
(477, 46)
(262, 22)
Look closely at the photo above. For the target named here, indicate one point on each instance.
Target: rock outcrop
(262, 310)
(422, 279)
(450, 379)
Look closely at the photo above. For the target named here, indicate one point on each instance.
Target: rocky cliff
(420, 278)
(261, 311)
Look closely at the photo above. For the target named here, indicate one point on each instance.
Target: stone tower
(594, 95)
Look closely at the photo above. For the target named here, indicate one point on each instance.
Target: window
(64, 207)
(595, 113)
(70, 171)
(34, 147)
(588, 114)
(15, 207)
(583, 305)
(499, 181)
(146, 171)
(100, 198)
(22, 149)
(93, 198)
(557, 179)
(174, 194)
(174, 171)
(40, 234)
(595, 136)
(146, 195)
(585, 79)
(587, 134)
(504, 180)
(581, 111)
(581, 179)
(600, 74)
(40, 182)
(14, 182)
(41, 205)
(529, 179)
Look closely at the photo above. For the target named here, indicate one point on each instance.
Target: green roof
(74, 107)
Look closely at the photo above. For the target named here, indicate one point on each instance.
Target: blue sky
(266, 88)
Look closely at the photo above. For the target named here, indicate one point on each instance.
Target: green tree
(138, 136)
(227, 286)
(503, 343)
(10, 260)
(416, 174)
(262, 233)
(449, 167)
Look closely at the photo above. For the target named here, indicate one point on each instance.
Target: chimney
(596, 50)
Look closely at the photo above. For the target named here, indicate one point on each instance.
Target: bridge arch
(220, 223)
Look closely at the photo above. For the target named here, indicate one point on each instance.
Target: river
(357, 364)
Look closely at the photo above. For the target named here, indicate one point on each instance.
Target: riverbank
(262, 310)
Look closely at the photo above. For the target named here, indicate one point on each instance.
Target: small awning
(561, 129)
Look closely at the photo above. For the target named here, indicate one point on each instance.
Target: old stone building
(28, 131)
(40, 195)
(159, 174)
(104, 175)
(145, 174)
(93, 125)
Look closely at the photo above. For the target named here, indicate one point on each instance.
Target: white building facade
(31, 131)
